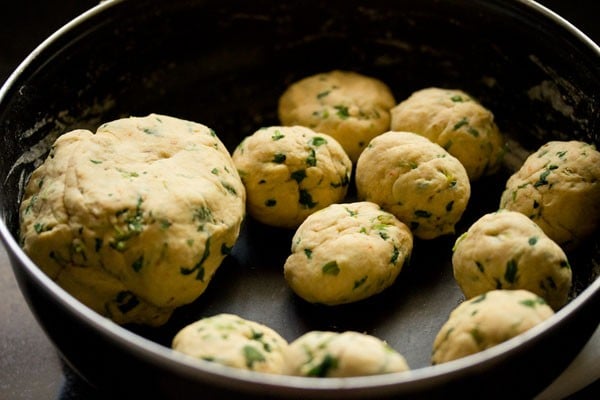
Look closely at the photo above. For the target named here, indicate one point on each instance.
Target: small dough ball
(416, 180)
(487, 320)
(135, 219)
(230, 340)
(332, 354)
(458, 123)
(506, 250)
(351, 107)
(347, 252)
(558, 187)
(291, 172)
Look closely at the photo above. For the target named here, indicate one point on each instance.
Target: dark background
(29, 366)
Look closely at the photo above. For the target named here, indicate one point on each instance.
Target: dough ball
(332, 354)
(487, 320)
(351, 107)
(458, 123)
(416, 180)
(347, 252)
(506, 250)
(230, 340)
(558, 187)
(135, 219)
(291, 172)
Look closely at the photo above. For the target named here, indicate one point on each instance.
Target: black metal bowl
(225, 63)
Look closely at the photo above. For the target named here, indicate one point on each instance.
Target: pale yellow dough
(135, 219)
(347, 252)
(457, 122)
(351, 107)
(331, 354)
(416, 180)
(290, 172)
(486, 321)
(558, 187)
(506, 250)
(233, 341)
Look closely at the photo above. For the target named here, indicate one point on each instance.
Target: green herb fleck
(311, 160)
(318, 141)
(395, 254)
(480, 266)
(252, 355)
(279, 158)
(479, 298)
(449, 206)
(457, 98)
(322, 369)
(477, 336)
(299, 175)
(532, 240)
(342, 111)
(270, 203)
(543, 178)
(277, 135)
(464, 121)
(532, 302)
(308, 253)
(323, 94)
(422, 214)
(306, 199)
(331, 268)
(510, 275)
(138, 264)
(198, 267)
(96, 161)
(359, 282)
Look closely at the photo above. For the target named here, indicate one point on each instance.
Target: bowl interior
(224, 64)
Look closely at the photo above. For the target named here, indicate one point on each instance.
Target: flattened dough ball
(455, 121)
(558, 187)
(487, 320)
(506, 250)
(135, 219)
(351, 107)
(332, 354)
(233, 341)
(416, 180)
(291, 172)
(347, 252)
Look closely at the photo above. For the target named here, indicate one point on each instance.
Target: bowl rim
(149, 351)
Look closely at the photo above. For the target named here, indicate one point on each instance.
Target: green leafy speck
(138, 264)
(277, 135)
(308, 253)
(322, 369)
(510, 275)
(422, 214)
(252, 355)
(359, 282)
(299, 175)
(279, 158)
(318, 141)
(532, 240)
(306, 199)
(270, 202)
(331, 268)
(342, 111)
(464, 121)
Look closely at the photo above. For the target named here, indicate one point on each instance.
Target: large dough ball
(558, 187)
(506, 250)
(455, 121)
(332, 354)
(416, 180)
(487, 320)
(230, 340)
(351, 107)
(135, 219)
(291, 172)
(347, 252)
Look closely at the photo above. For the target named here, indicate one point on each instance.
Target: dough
(135, 219)
(487, 320)
(347, 252)
(416, 180)
(455, 121)
(332, 354)
(558, 187)
(230, 340)
(506, 250)
(351, 107)
(291, 172)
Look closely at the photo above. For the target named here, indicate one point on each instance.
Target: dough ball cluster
(345, 354)
(487, 320)
(351, 107)
(233, 341)
(230, 340)
(135, 219)
(347, 252)
(416, 180)
(457, 122)
(291, 172)
(506, 250)
(558, 187)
